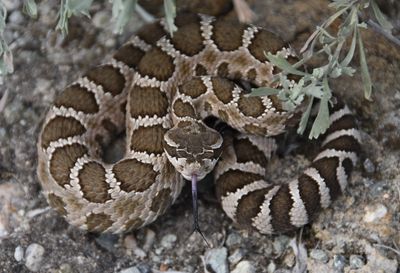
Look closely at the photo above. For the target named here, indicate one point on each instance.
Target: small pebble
(339, 262)
(16, 17)
(271, 268)
(236, 256)
(319, 255)
(168, 241)
(34, 256)
(244, 267)
(18, 253)
(132, 269)
(101, 19)
(374, 213)
(233, 239)
(149, 239)
(356, 261)
(65, 268)
(280, 244)
(107, 241)
(369, 166)
(216, 259)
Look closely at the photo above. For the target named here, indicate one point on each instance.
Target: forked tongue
(196, 227)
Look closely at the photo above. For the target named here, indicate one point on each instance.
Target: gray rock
(18, 253)
(233, 239)
(374, 213)
(339, 262)
(34, 256)
(319, 255)
(168, 241)
(356, 261)
(132, 269)
(271, 267)
(236, 256)
(216, 259)
(244, 267)
(280, 244)
(369, 166)
(142, 268)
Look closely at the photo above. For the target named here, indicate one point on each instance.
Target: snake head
(193, 148)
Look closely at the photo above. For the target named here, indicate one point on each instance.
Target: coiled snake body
(160, 88)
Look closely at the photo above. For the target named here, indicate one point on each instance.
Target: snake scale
(158, 89)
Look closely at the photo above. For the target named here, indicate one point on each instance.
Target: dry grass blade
(3, 101)
(243, 11)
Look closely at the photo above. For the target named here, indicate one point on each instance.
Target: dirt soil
(359, 233)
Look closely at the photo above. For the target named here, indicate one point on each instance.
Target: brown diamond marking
(183, 109)
(161, 201)
(57, 203)
(151, 33)
(223, 89)
(264, 41)
(158, 64)
(227, 35)
(63, 159)
(134, 175)
(246, 151)
(92, 179)
(280, 206)
(78, 98)
(193, 88)
(148, 139)
(134, 224)
(98, 222)
(61, 127)
(251, 106)
(223, 70)
(200, 70)
(249, 206)
(188, 39)
(110, 78)
(233, 180)
(129, 55)
(147, 101)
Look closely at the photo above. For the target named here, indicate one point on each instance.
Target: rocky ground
(360, 233)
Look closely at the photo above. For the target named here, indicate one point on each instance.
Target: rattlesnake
(163, 82)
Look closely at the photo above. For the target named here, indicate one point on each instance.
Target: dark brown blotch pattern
(134, 175)
(151, 33)
(327, 169)
(92, 179)
(246, 151)
(264, 41)
(188, 39)
(280, 206)
(109, 77)
(227, 35)
(233, 180)
(98, 222)
(183, 109)
(249, 206)
(161, 201)
(63, 159)
(223, 89)
(57, 203)
(147, 101)
(157, 64)
(78, 98)
(251, 106)
(148, 139)
(309, 193)
(61, 128)
(129, 55)
(193, 88)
